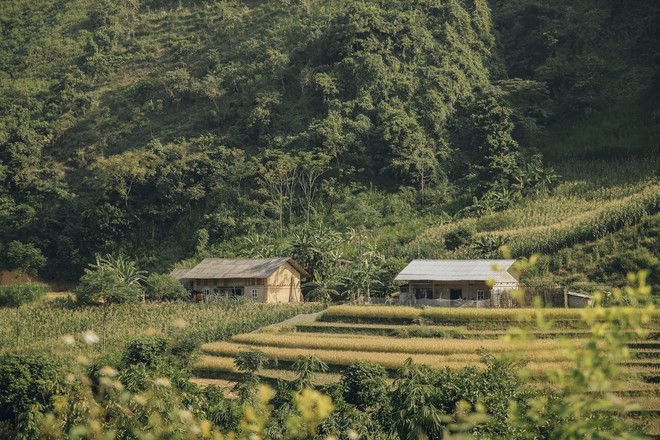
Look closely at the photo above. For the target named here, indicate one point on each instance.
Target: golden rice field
(339, 349)
(388, 335)
(435, 331)
(382, 344)
(339, 359)
(442, 315)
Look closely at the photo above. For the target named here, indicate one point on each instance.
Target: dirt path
(302, 319)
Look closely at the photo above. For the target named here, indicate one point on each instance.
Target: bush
(460, 236)
(364, 385)
(105, 287)
(15, 295)
(164, 287)
(145, 350)
(27, 381)
(25, 257)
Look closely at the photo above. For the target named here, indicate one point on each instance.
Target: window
(255, 294)
(480, 295)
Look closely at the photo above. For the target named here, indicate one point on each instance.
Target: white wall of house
(470, 291)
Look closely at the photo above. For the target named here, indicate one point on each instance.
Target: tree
(499, 154)
(277, 177)
(250, 362)
(317, 249)
(364, 273)
(112, 280)
(27, 258)
(311, 168)
(414, 153)
(306, 367)
(119, 173)
(322, 288)
(416, 414)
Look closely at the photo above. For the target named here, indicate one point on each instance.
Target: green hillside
(335, 131)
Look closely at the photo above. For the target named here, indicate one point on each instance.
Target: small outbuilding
(458, 283)
(579, 300)
(268, 280)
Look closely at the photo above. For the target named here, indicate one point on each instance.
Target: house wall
(228, 286)
(440, 290)
(283, 286)
(499, 294)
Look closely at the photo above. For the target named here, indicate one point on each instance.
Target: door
(455, 293)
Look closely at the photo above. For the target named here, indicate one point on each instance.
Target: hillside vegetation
(360, 131)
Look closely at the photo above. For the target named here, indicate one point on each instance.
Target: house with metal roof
(269, 280)
(457, 283)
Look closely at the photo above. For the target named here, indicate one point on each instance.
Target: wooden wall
(283, 286)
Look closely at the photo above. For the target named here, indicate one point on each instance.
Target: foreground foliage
(145, 392)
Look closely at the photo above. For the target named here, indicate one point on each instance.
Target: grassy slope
(583, 225)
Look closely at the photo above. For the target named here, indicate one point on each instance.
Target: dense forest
(334, 131)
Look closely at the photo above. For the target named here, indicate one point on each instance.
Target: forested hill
(167, 130)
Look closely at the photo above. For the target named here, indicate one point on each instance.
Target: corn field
(579, 210)
(44, 324)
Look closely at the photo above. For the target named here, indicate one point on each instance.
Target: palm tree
(322, 289)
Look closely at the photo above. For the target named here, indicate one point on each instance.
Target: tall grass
(196, 322)
(13, 295)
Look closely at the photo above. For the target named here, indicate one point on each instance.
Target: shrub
(145, 350)
(164, 287)
(250, 361)
(27, 381)
(364, 385)
(460, 236)
(15, 295)
(105, 287)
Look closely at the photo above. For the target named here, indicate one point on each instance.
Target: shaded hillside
(167, 130)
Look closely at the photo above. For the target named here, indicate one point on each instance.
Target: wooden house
(180, 274)
(268, 280)
(457, 283)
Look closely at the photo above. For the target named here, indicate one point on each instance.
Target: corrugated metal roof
(580, 295)
(223, 268)
(180, 273)
(457, 270)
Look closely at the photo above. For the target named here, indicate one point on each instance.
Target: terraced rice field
(439, 338)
